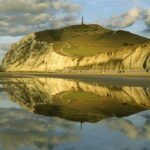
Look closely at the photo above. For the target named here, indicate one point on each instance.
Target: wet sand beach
(129, 78)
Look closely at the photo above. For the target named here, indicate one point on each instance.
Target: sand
(141, 79)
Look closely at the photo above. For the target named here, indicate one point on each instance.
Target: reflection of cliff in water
(78, 101)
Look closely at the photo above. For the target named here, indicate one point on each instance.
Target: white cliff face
(32, 55)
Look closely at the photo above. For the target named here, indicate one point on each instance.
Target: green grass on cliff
(84, 40)
(77, 94)
(81, 52)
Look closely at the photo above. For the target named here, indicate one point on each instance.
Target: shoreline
(124, 79)
(139, 74)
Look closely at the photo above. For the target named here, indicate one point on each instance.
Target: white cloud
(129, 18)
(19, 17)
(130, 129)
(20, 129)
(147, 18)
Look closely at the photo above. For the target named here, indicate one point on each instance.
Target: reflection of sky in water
(4, 101)
(22, 130)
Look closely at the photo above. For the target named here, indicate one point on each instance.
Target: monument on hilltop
(82, 23)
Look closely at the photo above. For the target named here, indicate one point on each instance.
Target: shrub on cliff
(2, 68)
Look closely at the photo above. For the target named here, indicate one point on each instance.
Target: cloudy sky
(22, 130)
(20, 17)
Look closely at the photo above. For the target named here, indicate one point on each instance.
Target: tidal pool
(48, 113)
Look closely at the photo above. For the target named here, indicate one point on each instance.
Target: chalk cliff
(34, 54)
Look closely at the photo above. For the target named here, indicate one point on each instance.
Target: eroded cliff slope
(59, 50)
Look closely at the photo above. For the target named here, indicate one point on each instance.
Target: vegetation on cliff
(57, 50)
(84, 40)
(2, 68)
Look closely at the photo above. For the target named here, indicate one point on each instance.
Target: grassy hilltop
(90, 39)
(76, 47)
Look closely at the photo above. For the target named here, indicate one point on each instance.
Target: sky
(21, 17)
(22, 130)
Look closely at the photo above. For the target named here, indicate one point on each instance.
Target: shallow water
(67, 114)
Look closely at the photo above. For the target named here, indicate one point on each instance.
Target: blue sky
(98, 11)
(17, 20)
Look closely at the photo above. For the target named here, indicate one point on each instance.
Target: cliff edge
(79, 47)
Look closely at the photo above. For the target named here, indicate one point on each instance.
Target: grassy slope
(82, 95)
(88, 39)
